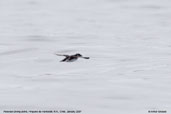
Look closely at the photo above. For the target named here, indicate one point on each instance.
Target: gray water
(128, 42)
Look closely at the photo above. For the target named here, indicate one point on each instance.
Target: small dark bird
(71, 58)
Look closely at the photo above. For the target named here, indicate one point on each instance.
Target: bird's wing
(63, 60)
(62, 55)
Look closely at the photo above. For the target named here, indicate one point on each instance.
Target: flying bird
(72, 58)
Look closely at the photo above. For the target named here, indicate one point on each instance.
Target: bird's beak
(86, 57)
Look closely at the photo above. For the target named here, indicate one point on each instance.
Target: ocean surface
(128, 42)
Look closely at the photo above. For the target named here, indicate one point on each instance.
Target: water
(128, 42)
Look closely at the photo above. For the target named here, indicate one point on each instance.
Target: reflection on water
(39, 38)
(12, 51)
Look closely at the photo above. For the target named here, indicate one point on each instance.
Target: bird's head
(78, 55)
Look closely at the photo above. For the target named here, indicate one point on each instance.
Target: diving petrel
(71, 58)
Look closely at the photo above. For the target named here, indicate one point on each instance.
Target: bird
(72, 58)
